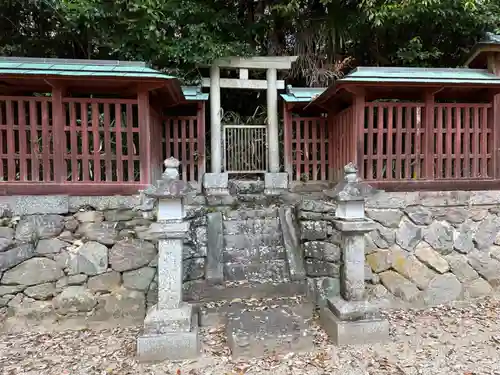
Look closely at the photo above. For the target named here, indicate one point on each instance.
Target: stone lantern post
(170, 327)
(350, 319)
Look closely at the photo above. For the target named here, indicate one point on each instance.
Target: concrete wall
(429, 247)
(84, 259)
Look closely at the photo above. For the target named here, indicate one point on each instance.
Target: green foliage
(330, 36)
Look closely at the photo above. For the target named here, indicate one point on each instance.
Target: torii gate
(271, 64)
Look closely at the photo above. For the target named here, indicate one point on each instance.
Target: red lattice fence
(401, 142)
(184, 139)
(343, 142)
(102, 140)
(51, 145)
(307, 150)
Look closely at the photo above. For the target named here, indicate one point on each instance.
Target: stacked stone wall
(87, 258)
(94, 259)
(321, 246)
(428, 248)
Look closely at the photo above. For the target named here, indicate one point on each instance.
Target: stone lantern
(348, 319)
(171, 326)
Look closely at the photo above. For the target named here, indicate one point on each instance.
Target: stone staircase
(253, 246)
(264, 311)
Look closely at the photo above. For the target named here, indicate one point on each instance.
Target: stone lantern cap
(170, 186)
(352, 188)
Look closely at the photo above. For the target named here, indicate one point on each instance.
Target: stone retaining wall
(429, 247)
(85, 257)
(321, 247)
(94, 258)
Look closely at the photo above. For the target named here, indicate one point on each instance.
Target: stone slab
(294, 252)
(275, 183)
(252, 226)
(215, 245)
(353, 310)
(216, 183)
(160, 321)
(202, 291)
(260, 213)
(102, 203)
(20, 205)
(169, 346)
(265, 271)
(343, 332)
(254, 334)
(213, 315)
(244, 241)
(359, 226)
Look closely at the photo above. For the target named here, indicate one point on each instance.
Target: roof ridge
(48, 60)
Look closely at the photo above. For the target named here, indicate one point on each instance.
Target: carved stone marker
(170, 327)
(350, 319)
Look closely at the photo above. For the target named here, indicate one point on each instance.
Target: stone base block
(168, 346)
(160, 321)
(275, 183)
(355, 226)
(353, 310)
(254, 334)
(216, 183)
(220, 200)
(343, 332)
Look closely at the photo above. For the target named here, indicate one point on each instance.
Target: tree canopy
(177, 35)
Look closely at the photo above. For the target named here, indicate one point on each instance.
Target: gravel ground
(462, 340)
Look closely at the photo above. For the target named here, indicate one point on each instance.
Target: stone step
(272, 271)
(273, 331)
(252, 226)
(245, 240)
(254, 199)
(246, 187)
(201, 291)
(253, 254)
(268, 212)
(212, 314)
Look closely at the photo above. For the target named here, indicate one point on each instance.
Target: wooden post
(201, 142)
(333, 151)
(58, 135)
(287, 147)
(429, 135)
(144, 136)
(357, 141)
(495, 135)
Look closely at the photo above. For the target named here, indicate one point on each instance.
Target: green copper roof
(301, 94)
(420, 75)
(77, 68)
(489, 43)
(193, 93)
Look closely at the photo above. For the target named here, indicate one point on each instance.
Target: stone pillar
(215, 183)
(349, 318)
(215, 121)
(274, 181)
(272, 120)
(170, 327)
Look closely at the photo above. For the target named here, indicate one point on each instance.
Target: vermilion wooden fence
(423, 144)
(184, 139)
(463, 142)
(393, 141)
(102, 140)
(90, 145)
(342, 138)
(307, 152)
(402, 143)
